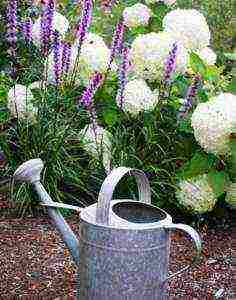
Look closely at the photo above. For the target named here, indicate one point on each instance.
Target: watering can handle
(195, 238)
(109, 185)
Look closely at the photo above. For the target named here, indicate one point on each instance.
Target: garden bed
(36, 265)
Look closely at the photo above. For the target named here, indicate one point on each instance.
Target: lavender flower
(170, 63)
(117, 41)
(85, 21)
(123, 68)
(66, 56)
(188, 101)
(46, 25)
(87, 97)
(12, 26)
(56, 57)
(26, 28)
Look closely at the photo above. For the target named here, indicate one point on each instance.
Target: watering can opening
(138, 212)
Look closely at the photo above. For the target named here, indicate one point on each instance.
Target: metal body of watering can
(124, 245)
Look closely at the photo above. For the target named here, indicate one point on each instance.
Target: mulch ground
(34, 263)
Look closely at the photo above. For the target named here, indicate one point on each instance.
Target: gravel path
(36, 265)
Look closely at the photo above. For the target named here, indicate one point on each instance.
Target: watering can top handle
(109, 185)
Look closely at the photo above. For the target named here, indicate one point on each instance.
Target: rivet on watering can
(124, 245)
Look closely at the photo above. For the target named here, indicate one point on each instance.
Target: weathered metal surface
(123, 245)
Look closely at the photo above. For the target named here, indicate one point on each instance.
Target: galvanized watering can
(123, 247)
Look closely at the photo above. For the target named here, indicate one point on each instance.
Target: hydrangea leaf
(212, 73)
(218, 182)
(197, 64)
(232, 86)
(200, 163)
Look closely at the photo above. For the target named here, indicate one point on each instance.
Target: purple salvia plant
(66, 56)
(12, 26)
(123, 70)
(170, 63)
(87, 97)
(56, 58)
(117, 41)
(188, 101)
(46, 25)
(85, 21)
(26, 27)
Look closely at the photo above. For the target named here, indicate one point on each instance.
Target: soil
(36, 265)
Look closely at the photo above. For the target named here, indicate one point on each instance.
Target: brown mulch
(36, 265)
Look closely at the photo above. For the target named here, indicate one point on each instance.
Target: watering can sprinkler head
(29, 171)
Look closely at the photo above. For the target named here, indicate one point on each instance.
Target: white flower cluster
(136, 15)
(98, 142)
(94, 57)
(138, 97)
(167, 2)
(149, 52)
(59, 23)
(196, 194)
(208, 56)
(188, 26)
(20, 102)
(213, 122)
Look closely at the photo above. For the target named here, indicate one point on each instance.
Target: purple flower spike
(66, 56)
(87, 97)
(26, 28)
(46, 25)
(56, 57)
(117, 41)
(123, 69)
(170, 63)
(188, 101)
(85, 21)
(12, 26)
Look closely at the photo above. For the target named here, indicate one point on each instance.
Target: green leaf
(218, 182)
(230, 56)
(200, 163)
(212, 73)
(197, 64)
(110, 117)
(232, 86)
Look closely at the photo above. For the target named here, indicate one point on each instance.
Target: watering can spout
(30, 172)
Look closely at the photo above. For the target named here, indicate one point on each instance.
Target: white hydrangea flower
(149, 52)
(94, 57)
(136, 15)
(188, 26)
(35, 85)
(196, 194)
(213, 122)
(59, 23)
(138, 97)
(20, 102)
(91, 38)
(167, 2)
(98, 142)
(49, 64)
(208, 56)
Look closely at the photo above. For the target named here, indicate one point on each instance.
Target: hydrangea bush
(149, 94)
